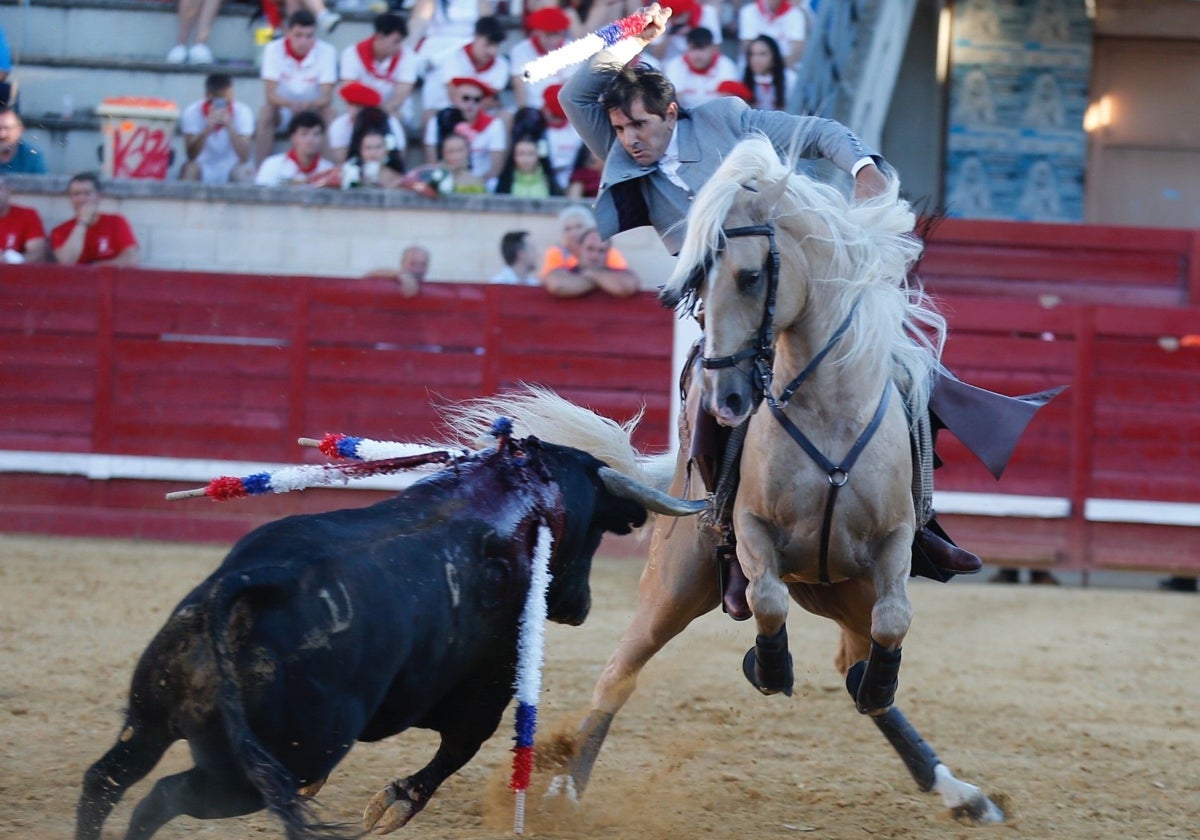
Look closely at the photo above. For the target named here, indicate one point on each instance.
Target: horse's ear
(771, 192)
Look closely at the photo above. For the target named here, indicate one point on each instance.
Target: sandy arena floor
(1077, 710)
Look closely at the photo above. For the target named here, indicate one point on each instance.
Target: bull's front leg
(403, 799)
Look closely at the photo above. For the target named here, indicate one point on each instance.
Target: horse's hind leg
(135, 754)
(677, 585)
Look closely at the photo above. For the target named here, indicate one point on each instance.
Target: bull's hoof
(389, 810)
(311, 791)
(769, 680)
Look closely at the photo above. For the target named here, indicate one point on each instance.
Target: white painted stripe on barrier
(200, 471)
(1149, 513)
(1001, 504)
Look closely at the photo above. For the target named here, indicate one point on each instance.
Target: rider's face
(643, 135)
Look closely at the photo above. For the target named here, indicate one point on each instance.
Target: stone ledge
(56, 185)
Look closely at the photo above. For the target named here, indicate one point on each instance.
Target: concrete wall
(325, 232)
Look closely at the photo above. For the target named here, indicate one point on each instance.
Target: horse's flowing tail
(540, 412)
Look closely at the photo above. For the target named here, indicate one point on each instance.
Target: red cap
(737, 89)
(550, 102)
(467, 80)
(684, 11)
(356, 93)
(548, 19)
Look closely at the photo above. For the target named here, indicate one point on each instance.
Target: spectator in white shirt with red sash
(382, 62)
(784, 20)
(217, 133)
(358, 96)
(486, 135)
(548, 28)
(298, 73)
(479, 59)
(699, 72)
(302, 164)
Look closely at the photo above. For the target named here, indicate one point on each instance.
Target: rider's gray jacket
(632, 195)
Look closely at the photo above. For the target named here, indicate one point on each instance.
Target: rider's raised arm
(813, 138)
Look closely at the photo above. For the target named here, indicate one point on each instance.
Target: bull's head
(595, 500)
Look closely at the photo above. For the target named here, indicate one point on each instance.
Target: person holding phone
(217, 132)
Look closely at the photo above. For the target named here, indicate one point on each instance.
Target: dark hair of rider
(632, 83)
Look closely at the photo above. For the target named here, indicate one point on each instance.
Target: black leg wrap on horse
(873, 683)
(918, 756)
(768, 665)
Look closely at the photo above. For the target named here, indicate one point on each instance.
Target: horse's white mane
(862, 249)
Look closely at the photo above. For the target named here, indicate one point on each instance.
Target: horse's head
(733, 260)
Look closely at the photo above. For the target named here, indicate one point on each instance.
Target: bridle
(762, 352)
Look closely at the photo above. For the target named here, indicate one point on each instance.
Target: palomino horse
(806, 308)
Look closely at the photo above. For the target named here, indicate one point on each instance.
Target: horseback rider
(658, 155)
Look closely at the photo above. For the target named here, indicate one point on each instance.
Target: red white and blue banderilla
(545, 66)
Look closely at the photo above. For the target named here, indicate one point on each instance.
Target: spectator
(1178, 583)
(442, 26)
(551, 127)
(480, 59)
(92, 237)
(766, 75)
(591, 272)
(414, 267)
(298, 73)
(358, 97)
(1036, 576)
(700, 70)
(519, 261)
(585, 177)
(527, 172)
(784, 20)
(455, 152)
(382, 63)
(8, 85)
(686, 15)
(547, 32)
(373, 159)
(302, 164)
(22, 237)
(17, 156)
(484, 133)
(217, 132)
(324, 17)
(195, 18)
(573, 222)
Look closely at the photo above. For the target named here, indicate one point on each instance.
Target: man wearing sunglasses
(484, 133)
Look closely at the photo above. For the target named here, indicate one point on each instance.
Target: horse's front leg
(767, 665)
(677, 585)
(878, 676)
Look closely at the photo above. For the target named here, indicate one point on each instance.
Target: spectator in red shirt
(92, 237)
(22, 237)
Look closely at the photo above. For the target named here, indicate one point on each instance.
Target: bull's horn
(657, 501)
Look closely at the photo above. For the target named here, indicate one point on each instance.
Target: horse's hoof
(760, 680)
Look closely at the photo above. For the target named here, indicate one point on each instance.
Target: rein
(763, 354)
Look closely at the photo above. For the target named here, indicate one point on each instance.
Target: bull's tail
(544, 414)
(278, 786)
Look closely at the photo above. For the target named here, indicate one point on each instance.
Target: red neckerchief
(783, 9)
(474, 63)
(687, 59)
(366, 55)
(537, 44)
(472, 130)
(303, 171)
(207, 106)
(292, 54)
(553, 120)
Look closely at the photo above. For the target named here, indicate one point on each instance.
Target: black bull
(321, 630)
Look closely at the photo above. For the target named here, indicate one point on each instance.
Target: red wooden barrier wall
(236, 367)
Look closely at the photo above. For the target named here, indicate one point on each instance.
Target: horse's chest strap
(838, 474)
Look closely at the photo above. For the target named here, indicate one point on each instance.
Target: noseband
(762, 351)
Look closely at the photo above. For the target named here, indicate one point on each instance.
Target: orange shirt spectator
(573, 222)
